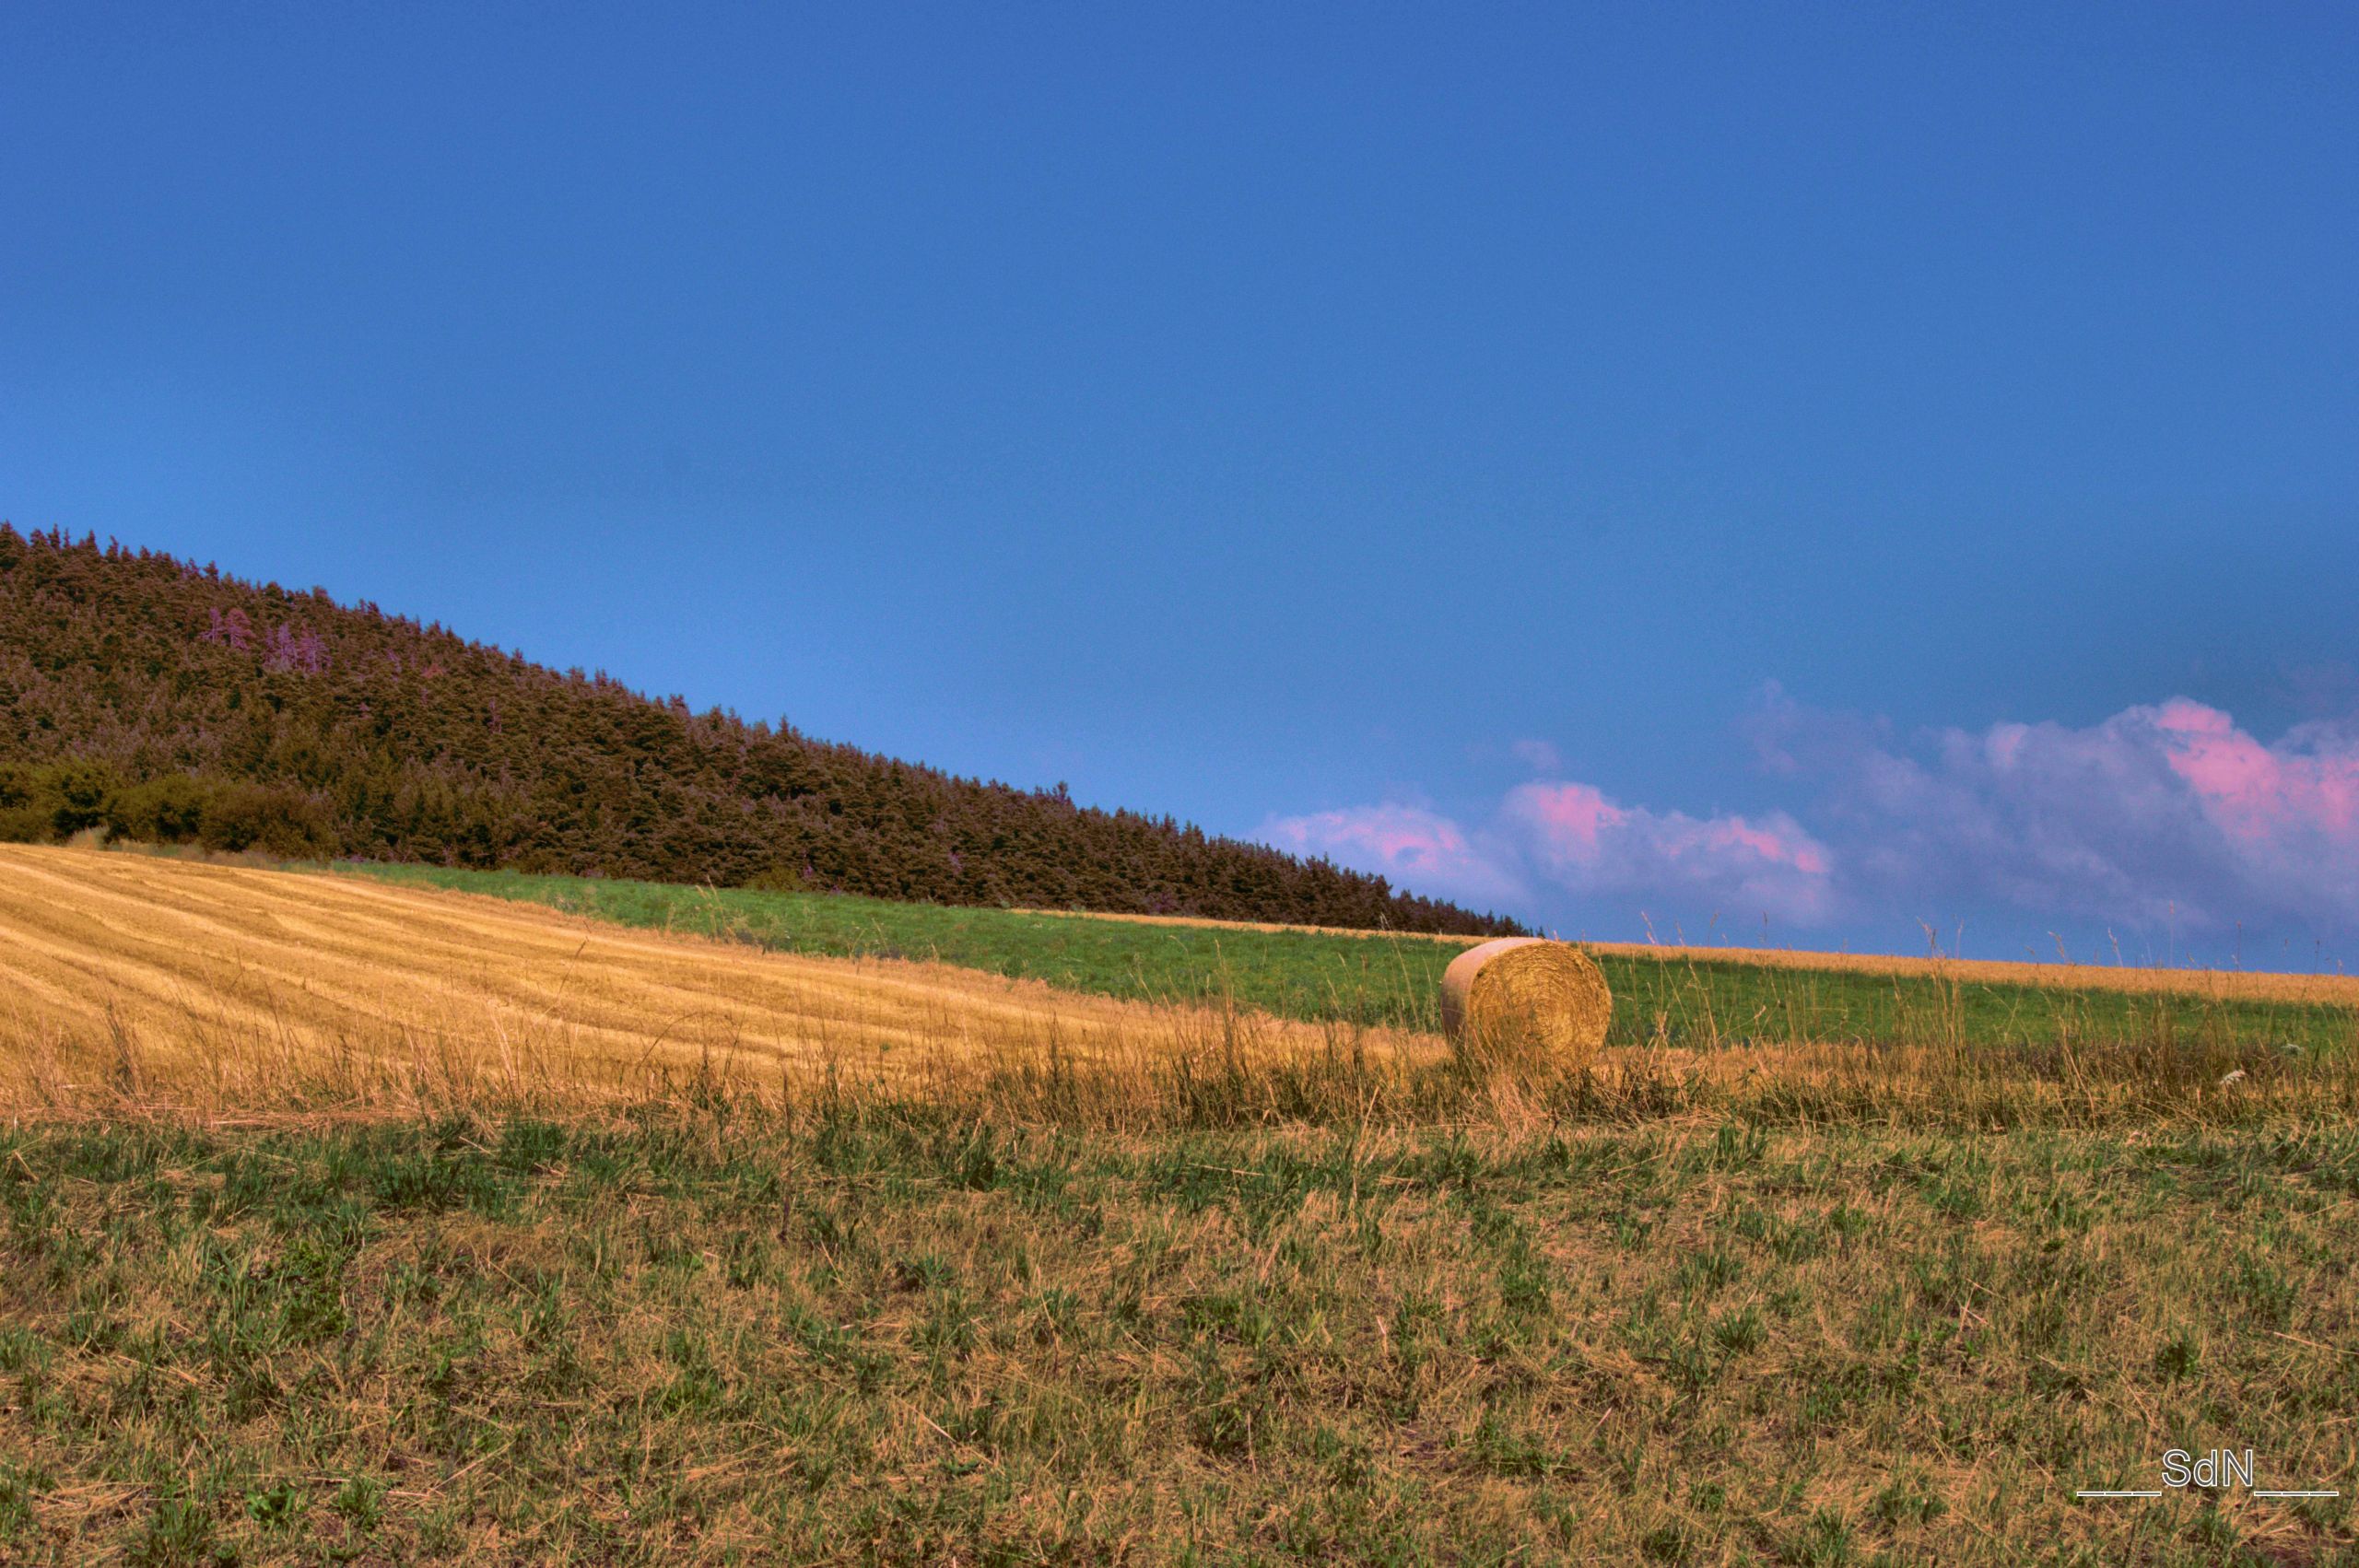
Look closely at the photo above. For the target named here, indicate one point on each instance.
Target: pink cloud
(1412, 846)
(2161, 816)
(1729, 865)
(2168, 813)
(2253, 790)
(1572, 814)
(1566, 840)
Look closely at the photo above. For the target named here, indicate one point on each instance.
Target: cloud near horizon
(1415, 847)
(1551, 837)
(2162, 815)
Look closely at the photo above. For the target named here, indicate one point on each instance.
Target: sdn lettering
(2219, 1468)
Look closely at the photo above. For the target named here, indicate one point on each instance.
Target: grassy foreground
(1888, 1296)
(861, 1334)
(1679, 1000)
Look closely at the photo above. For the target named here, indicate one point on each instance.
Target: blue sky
(1669, 465)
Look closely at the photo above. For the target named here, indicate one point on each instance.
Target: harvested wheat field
(139, 974)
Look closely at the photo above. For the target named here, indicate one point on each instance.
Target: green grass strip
(1392, 981)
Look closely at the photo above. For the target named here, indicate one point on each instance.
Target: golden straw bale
(1521, 996)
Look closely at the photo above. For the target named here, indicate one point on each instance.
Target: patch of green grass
(883, 1334)
(1713, 1003)
(1393, 980)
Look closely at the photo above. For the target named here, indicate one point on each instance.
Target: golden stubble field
(135, 976)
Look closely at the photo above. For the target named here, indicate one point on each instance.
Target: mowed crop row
(138, 970)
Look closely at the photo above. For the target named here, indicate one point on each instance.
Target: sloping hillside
(170, 703)
(165, 973)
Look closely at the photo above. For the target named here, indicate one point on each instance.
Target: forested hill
(165, 701)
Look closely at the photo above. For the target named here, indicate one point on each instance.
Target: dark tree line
(167, 702)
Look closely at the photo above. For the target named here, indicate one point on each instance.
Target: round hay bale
(1523, 996)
